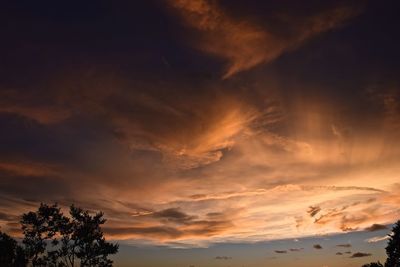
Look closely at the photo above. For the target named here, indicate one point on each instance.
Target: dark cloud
(209, 227)
(317, 246)
(7, 217)
(376, 227)
(360, 255)
(223, 258)
(344, 245)
(296, 249)
(215, 214)
(160, 232)
(173, 214)
(313, 210)
(35, 189)
(281, 251)
(195, 228)
(339, 253)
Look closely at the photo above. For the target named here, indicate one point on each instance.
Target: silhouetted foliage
(84, 239)
(393, 247)
(40, 229)
(373, 264)
(54, 240)
(11, 254)
(392, 250)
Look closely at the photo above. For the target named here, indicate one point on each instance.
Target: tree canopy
(52, 239)
(373, 264)
(11, 254)
(392, 249)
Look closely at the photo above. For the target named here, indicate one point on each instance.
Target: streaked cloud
(344, 245)
(376, 227)
(360, 255)
(223, 258)
(376, 239)
(296, 249)
(179, 161)
(244, 44)
(13, 102)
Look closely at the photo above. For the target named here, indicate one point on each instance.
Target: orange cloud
(27, 168)
(13, 102)
(213, 166)
(244, 44)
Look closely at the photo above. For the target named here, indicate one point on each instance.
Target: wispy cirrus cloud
(199, 165)
(244, 44)
(377, 239)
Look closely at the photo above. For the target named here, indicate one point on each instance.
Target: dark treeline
(54, 240)
(392, 250)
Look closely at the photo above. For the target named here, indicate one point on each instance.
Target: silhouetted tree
(54, 240)
(87, 239)
(393, 247)
(11, 254)
(373, 264)
(40, 229)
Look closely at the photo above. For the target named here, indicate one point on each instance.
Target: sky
(209, 132)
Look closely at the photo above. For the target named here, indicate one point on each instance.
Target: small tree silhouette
(393, 247)
(11, 254)
(373, 264)
(84, 239)
(41, 228)
(54, 240)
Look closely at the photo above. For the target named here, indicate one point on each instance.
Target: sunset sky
(210, 132)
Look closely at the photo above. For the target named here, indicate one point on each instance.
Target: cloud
(7, 217)
(182, 159)
(339, 253)
(281, 251)
(33, 169)
(189, 133)
(168, 225)
(360, 255)
(181, 149)
(223, 258)
(158, 232)
(313, 210)
(349, 216)
(344, 245)
(376, 239)
(296, 249)
(317, 246)
(173, 214)
(13, 102)
(376, 227)
(244, 44)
